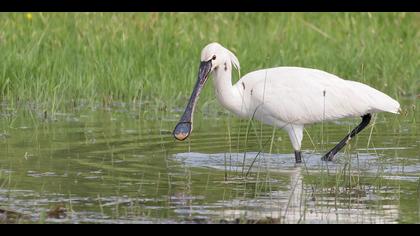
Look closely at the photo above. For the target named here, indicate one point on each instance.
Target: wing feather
(301, 95)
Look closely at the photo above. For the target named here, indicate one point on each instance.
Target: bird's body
(300, 96)
(291, 97)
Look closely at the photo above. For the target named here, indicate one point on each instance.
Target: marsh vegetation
(88, 103)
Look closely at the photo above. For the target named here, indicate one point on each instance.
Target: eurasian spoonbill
(285, 97)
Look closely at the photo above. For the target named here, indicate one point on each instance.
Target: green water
(120, 164)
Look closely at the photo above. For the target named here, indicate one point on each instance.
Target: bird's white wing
(302, 96)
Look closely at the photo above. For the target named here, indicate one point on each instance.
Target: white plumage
(291, 97)
(303, 96)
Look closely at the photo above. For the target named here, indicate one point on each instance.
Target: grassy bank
(55, 59)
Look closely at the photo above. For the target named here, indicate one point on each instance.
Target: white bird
(285, 97)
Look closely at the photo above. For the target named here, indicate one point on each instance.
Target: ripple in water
(363, 162)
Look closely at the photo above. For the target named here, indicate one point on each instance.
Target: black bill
(184, 127)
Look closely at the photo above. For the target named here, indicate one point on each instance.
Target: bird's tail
(386, 103)
(377, 100)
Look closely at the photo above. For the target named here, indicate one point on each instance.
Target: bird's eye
(214, 57)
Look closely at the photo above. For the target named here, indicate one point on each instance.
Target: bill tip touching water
(182, 130)
(285, 97)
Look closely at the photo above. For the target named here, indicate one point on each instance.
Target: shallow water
(121, 165)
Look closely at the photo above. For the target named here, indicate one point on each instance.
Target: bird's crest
(235, 62)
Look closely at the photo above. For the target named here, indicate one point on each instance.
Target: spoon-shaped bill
(182, 130)
(184, 127)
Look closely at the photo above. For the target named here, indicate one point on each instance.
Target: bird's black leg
(330, 155)
(298, 156)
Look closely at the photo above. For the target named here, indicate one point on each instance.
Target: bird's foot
(328, 157)
(298, 157)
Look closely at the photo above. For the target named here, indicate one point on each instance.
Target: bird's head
(213, 56)
(216, 55)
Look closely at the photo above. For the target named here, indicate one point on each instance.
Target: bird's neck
(227, 94)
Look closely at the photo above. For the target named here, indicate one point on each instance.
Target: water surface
(120, 164)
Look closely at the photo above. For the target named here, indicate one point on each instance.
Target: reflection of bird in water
(295, 207)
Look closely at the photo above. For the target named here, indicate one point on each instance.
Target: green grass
(53, 59)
